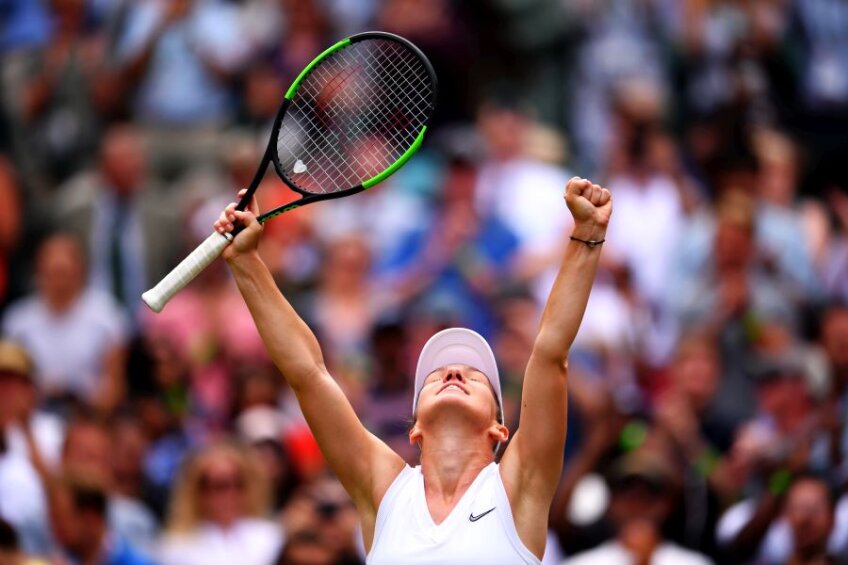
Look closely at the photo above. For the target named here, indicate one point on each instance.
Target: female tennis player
(458, 506)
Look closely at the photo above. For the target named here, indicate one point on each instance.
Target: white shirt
(23, 502)
(68, 348)
(248, 542)
(648, 218)
(526, 195)
(49, 433)
(778, 543)
(479, 529)
(613, 553)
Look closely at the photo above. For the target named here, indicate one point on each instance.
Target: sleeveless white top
(479, 529)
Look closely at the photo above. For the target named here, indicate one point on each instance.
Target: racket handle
(184, 273)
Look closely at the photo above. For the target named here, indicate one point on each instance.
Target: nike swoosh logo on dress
(474, 518)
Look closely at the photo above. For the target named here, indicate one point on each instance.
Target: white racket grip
(184, 273)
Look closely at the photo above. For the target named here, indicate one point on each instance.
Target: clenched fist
(591, 206)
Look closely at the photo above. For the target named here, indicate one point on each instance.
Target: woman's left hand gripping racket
(352, 117)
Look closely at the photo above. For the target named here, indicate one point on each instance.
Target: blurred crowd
(709, 380)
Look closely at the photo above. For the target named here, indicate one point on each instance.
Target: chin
(454, 406)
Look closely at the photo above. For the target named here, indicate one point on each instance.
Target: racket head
(353, 116)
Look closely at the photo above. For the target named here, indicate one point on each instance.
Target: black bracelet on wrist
(590, 242)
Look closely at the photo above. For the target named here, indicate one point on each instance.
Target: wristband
(590, 242)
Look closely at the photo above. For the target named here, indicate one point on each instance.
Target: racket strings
(367, 120)
(354, 115)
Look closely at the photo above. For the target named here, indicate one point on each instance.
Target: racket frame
(157, 297)
(271, 154)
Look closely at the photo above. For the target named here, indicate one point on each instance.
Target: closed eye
(434, 378)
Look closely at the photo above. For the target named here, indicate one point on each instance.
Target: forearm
(748, 540)
(289, 341)
(567, 302)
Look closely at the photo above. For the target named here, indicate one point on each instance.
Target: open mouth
(452, 385)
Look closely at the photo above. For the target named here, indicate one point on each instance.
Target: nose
(454, 373)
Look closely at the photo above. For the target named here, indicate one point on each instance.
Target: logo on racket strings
(299, 167)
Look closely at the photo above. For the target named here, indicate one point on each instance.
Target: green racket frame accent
(274, 213)
(293, 88)
(399, 163)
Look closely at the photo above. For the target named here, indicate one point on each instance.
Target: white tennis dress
(480, 528)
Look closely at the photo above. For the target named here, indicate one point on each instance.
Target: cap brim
(457, 346)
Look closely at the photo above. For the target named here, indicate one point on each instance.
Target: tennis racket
(350, 119)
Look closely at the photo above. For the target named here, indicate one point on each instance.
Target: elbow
(301, 377)
(550, 349)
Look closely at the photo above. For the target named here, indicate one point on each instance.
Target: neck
(91, 554)
(61, 304)
(451, 460)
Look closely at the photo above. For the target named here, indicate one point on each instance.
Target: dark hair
(830, 486)
(8, 537)
(88, 498)
(86, 418)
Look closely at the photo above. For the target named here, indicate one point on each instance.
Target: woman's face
(457, 390)
(221, 488)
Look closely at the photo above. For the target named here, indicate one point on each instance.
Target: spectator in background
(781, 237)
(67, 92)
(82, 530)
(438, 27)
(306, 32)
(305, 548)
(810, 513)
(622, 49)
(787, 437)
(89, 451)
(810, 89)
(130, 487)
(461, 258)
(684, 414)
(76, 335)
(642, 169)
(516, 189)
(344, 305)
(643, 489)
(712, 37)
(86, 453)
(795, 521)
(217, 512)
(21, 393)
(181, 56)
(734, 293)
(129, 226)
(386, 408)
(261, 428)
(324, 510)
(22, 498)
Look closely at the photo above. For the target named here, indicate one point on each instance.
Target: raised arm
(532, 463)
(365, 465)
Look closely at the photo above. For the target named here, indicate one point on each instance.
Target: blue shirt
(23, 23)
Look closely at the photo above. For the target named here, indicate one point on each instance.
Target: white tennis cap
(457, 346)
